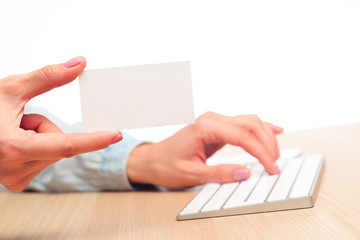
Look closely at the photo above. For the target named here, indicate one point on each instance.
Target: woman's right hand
(30, 142)
(179, 161)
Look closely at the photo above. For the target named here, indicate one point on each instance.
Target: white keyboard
(295, 187)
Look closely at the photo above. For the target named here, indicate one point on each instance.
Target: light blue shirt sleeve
(94, 171)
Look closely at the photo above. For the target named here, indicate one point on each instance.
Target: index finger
(228, 132)
(55, 146)
(246, 140)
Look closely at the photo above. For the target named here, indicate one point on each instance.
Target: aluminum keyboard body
(295, 187)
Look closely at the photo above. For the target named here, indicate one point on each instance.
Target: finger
(201, 173)
(245, 139)
(225, 173)
(253, 124)
(256, 148)
(39, 124)
(55, 146)
(48, 77)
(274, 128)
(273, 139)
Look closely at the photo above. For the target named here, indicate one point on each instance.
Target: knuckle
(246, 135)
(255, 118)
(209, 114)
(219, 175)
(201, 127)
(190, 176)
(205, 119)
(198, 176)
(47, 71)
(205, 116)
(254, 122)
(69, 148)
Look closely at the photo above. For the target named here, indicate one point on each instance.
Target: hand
(30, 143)
(180, 160)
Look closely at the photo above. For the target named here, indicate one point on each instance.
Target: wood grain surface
(151, 214)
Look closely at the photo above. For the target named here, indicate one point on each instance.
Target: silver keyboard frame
(281, 205)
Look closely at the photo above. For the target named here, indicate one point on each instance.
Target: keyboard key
(242, 192)
(246, 158)
(306, 176)
(290, 153)
(219, 198)
(286, 180)
(263, 188)
(200, 199)
(261, 193)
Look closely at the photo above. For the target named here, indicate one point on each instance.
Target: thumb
(226, 173)
(49, 77)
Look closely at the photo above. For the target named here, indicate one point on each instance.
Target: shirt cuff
(94, 171)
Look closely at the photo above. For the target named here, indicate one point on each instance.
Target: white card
(136, 96)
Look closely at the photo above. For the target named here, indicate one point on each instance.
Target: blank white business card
(136, 96)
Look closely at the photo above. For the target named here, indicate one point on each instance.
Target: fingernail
(117, 139)
(73, 62)
(241, 174)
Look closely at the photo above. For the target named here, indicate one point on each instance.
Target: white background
(294, 63)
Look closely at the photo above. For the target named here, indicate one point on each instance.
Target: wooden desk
(151, 215)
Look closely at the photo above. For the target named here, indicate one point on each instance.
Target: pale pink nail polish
(241, 174)
(73, 62)
(117, 139)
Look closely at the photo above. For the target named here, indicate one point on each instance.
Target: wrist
(138, 164)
